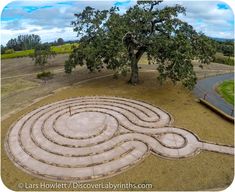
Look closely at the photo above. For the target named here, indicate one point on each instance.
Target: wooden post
(70, 112)
(232, 112)
(205, 96)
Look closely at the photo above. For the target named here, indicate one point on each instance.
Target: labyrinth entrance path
(89, 138)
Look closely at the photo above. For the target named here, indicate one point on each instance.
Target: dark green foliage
(45, 75)
(227, 48)
(13, 44)
(117, 42)
(23, 42)
(60, 41)
(3, 49)
(42, 53)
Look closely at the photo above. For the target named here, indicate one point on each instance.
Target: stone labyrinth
(91, 138)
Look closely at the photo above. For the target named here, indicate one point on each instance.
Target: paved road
(205, 88)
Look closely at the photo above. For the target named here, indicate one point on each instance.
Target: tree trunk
(134, 65)
(134, 79)
(132, 46)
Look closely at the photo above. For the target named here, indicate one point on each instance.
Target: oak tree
(115, 40)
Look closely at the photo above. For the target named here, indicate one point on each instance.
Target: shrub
(9, 51)
(229, 61)
(224, 60)
(45, 75)
(41, 54)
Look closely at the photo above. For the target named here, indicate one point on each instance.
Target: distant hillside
(221, 39)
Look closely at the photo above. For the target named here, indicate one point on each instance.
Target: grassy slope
(204, 171)
(66, 48)
(226, 90)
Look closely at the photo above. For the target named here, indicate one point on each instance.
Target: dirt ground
(20, 85)
(207, 170)
(22, 70)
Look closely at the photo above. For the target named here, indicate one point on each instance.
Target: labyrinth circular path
(90, 138)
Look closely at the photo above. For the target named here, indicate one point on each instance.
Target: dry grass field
(28, 88)
(20, 85)
(204, 171)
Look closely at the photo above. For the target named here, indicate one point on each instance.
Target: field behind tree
(20, 85)
(59, 49)
(67, 48)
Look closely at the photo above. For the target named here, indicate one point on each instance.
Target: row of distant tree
(22, 42)
(25, 42)
(227, 48)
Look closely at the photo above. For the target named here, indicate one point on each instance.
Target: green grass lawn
(66, 48)
(226, 90)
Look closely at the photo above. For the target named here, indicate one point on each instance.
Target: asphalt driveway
(205, 89)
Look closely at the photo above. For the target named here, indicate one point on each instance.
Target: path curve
(205, 89)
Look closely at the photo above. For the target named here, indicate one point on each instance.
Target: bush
(224, 60)
(9, 51)
(229, 61)
(41, 54)
(45, 75)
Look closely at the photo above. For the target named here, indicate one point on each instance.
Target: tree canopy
(114, 40)
(3, 49)
(42, 53)
(228, 50)
(23, 42)
(60, 41)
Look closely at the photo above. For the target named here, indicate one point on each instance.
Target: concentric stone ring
(89, 138)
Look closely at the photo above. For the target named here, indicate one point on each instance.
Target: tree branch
(154, 3)
(153, 23)
(140, 52)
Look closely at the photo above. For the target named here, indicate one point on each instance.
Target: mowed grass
(226, 90)
(66, 48)
(206, 170)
